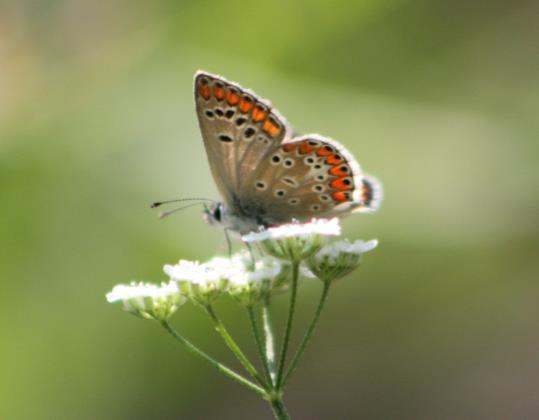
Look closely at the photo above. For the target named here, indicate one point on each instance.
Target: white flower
(339, 258)
(295, 241)
(323, 227)
(333, 250)
(193, 272)
(149, 301)
(202, 283)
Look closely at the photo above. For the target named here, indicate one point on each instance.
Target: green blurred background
(439, 99)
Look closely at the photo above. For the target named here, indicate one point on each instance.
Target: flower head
(324, 227)
(295, 241)
(202, 283)
(339, 258)
(148, 301)
(250, 281)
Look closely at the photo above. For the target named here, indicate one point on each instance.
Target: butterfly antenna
(164, 214)
(160, 203)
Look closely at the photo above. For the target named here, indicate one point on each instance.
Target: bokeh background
(439, 99)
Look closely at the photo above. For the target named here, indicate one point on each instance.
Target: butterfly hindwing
(309, 176)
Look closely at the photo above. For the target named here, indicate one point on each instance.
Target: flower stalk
(259, 345)
(308, 335)
(289, 323)
(219, 366)
(233, 346)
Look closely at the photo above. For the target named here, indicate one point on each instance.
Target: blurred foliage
(438, 99)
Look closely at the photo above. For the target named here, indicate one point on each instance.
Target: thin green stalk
(290, 319)
(279, 410)
(260, 347)
(270, 341)
(308, 334)
(234, 347)
(219, 366)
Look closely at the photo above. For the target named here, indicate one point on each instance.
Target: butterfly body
(265, 176)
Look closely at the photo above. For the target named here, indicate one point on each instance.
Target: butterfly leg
(228, 242)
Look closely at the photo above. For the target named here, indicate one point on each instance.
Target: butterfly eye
(316, 207)
(318, 188)
(229, 113)
(209, 114)
(321, 177)
(324, 197)
(288, 163)
(217, 213)
(280, 193)
(293, 201)
(219, 112)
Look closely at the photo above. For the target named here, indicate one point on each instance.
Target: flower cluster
(339, 259)
(246, 279)
(295, 241)
(148, 300)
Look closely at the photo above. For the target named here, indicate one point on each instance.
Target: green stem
(270, 341)
(279, 410)
(308, 334)
(234, 347)
(219, 366)
(290, 318)
(260, 347)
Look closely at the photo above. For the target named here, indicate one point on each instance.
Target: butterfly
(267, 175)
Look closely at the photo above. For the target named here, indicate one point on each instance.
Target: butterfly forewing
(238, 129)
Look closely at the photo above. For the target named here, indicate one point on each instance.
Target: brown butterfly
(266, 175)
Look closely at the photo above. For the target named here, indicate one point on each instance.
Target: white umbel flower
(335, 249)
(202, 283)
(148, 301)
(250, 282)
(324, 227)
(339, 258)
(295, 241)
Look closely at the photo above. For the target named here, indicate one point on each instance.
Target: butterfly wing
(238, 129)
(306, 177)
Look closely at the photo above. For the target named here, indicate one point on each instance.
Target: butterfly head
(214, 214)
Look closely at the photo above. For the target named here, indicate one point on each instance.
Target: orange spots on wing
(233, 97)
(339, 170)
(341, 184)
(219, 93)
(334, 159)
(259, 114)
(324, 151)
(288, 147)
(340, 196)
(305, 148)
(204, 91)
(246, 104)
(271, 127)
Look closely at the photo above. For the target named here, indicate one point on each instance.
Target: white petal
(325, 227)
